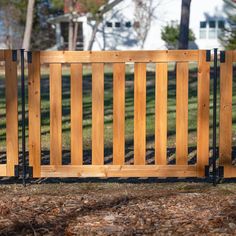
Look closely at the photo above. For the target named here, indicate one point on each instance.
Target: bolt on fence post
(214, 117)
(23, 114)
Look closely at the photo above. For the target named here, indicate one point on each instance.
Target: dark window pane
(212, 24)
(221, 24)
(128, 24)
(203, 24)
(117, 24)
(109, 24)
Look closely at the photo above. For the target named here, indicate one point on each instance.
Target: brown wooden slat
(76, 114)
(97, 113)
(11, 112)
(161, 113)
(203, 114)
(117, 56)
(55, 115)
(119, 171)
(118, 113)
(2, 55)
(226, 79)
(140, 114)
(182, 113)
(34, 114)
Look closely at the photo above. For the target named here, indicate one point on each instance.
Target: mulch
(118, 209)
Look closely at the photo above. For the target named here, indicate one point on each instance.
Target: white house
(122, 26)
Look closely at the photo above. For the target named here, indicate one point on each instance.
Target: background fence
(9, 166)
(226, 93)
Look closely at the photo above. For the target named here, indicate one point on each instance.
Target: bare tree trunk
(28, 26)
(70, 36)
(92, 39)
(75, 33)
(184, 24)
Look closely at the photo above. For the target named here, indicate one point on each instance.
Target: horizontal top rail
(118, 56)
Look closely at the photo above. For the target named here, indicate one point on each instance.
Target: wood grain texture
(203, 113)
(97, 114)
(76, 114)
(55, 114)
(34, 101)
(118, 113)
(11, 113)
(118, 56)
(226, 87)
(140, 114)
(182, 113)
(119, 171)
(161, 113)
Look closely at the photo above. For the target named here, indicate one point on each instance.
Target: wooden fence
(9, 58)
(226, 94)
(118, 168)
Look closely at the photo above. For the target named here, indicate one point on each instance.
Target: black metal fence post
(214, 118)
(23, 114)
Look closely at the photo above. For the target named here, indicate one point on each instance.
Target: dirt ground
(115, 208)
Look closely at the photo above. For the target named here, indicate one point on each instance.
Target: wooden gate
(119, 169)
(9, 58)
(226, 90)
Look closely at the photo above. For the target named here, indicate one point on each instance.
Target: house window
(109, 24)
(203, 30)
(128, 24)
(117, 24)
(212, 30)
(221, 24)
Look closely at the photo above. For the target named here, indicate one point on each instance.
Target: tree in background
(12, 17)
(28, 25)
(144, 15)
(184, 24)
(228, 39)
(170, 34)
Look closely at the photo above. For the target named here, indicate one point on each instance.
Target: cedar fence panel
(118, 168)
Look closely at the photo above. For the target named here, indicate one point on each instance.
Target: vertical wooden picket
(119, 113)
(226, 88)
(55, 114)
(76, 114)
(140, 114)
(203, 113)
(34, 114)
(11, 112)
(161, 113)
(182, 113)
(97, 114)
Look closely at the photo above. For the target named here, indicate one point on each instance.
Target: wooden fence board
(117, 56)
(76, 114)
(119, 171)
(118, 113)
(97, 113)
(140, 114)
(34, 114)
(225, 140)
(55, 114)
(182, 113)
(161, 113)
(203, 113)
(11, 112)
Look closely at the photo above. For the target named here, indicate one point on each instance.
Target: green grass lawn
(108, 108)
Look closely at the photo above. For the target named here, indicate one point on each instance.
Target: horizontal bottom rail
(229, 171)
(118, 171)
(3, 170)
